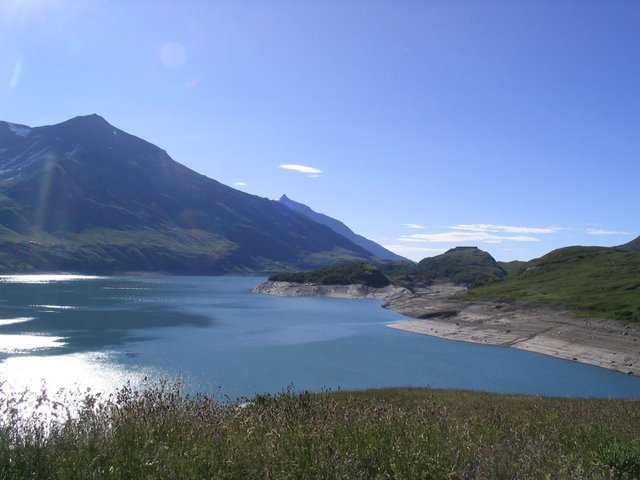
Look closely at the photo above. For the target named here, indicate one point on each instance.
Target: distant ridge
(339, 227)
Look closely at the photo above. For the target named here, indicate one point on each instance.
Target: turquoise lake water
(221, 339)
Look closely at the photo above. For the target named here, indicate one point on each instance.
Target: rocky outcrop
(292, 289)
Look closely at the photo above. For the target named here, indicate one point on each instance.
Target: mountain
(463, 265)
(632, 246)
(85, 196)
(339, 227)
(591, 281)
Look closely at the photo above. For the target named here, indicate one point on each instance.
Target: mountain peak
(93, 120)
(108, 201)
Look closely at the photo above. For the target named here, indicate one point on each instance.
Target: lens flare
(16, 74)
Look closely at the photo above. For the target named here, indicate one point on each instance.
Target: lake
(221, 339)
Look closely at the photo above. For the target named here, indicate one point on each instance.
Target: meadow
(158, 432)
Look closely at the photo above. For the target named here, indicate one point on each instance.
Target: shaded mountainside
(632, 246)
(339, 227)
(348, 274)
(85, 196)
(591, 281)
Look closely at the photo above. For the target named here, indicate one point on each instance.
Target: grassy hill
(402, 434)
(463, 265)
(359, 273)
(591, 281)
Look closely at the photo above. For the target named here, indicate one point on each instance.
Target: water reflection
(42, 310)
(64, 380)
(97, 371)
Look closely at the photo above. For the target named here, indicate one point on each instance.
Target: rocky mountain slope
(339, 227)
(85, 196)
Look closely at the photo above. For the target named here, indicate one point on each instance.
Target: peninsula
(483, 313)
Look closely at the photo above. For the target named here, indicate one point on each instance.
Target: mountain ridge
(85, 195)
(342, 229)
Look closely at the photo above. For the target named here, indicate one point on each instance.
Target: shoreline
(439, 312)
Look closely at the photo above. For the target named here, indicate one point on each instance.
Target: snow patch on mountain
(21, 130)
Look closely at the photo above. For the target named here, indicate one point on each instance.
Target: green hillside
(463, 265)
(591, 281)
(359, 273)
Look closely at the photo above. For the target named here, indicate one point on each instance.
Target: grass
(591, 281)
(379, 434)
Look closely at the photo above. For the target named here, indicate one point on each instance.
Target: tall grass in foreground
(405, 433)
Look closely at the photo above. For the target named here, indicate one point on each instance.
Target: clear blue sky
(511, 125)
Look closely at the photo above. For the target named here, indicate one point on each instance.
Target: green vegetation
(407, 433)
(511, 266)
(463, 265)
(591, 281)
(359, 273)
(101, 250)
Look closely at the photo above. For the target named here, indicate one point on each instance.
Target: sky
(513, 126)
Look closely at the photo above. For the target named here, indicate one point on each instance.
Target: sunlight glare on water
(11, 321)
(27, 343)
(61, 378)
(44, 278)
(93, 370)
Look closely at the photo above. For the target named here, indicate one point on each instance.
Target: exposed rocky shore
(439, 311)
(292, 289)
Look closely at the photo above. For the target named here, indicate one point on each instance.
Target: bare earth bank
(438, 312)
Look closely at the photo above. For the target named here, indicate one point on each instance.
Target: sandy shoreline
(438, 312)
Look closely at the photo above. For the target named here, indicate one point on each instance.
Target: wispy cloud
(462, 237)
(239, 184)
(415, 226)
(311, 171)
(599, 231)
(484, 227)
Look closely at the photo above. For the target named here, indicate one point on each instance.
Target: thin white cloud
(301, 169)
(462, 237)
(599, 231)
(484, 227)
(415, 226)
(239, 184)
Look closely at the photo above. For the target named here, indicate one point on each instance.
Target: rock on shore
(292, 289)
